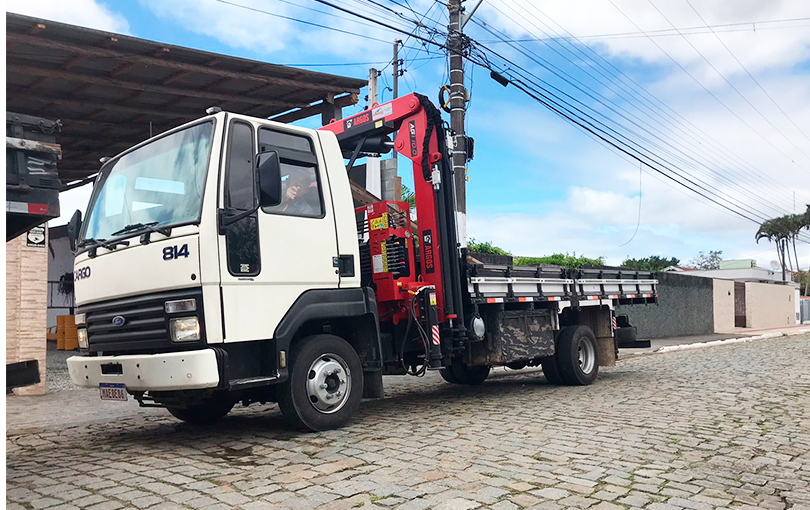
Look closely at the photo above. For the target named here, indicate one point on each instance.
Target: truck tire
(472, 376)
(210, 410)
(550, 370)
(324, 386)
(448, 375)
(577, 356)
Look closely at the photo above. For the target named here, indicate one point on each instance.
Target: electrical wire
(666, 113)
(547, 86)
(709, 91)
(735, 89)
(746, 70)
(638, 222)
(667, 32)
(304, 22)
(601, 98)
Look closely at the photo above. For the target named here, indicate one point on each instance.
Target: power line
(746, 70)
(669, 32)
(386, 25)
(656, 106)
(553, 103)
(603, 99)
(275, 15)
(556, 71)
(707, 90)
(728, 82)
(638, 222)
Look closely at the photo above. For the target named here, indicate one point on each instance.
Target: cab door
(270, 258)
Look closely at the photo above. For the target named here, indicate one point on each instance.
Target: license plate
(112, 391)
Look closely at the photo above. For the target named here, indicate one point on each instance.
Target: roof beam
(143, 87)
(209, 69)
(315, 109)
(91, 104)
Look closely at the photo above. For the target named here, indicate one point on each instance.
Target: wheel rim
(329, 383)
(586, 355)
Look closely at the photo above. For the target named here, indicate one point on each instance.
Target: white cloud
(765, 48)
(85, 13)
(248, 28)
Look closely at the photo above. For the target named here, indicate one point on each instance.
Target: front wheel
(325, 383)
(206, 411)
(577, 356)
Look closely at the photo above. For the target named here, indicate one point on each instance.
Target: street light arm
(466, 17)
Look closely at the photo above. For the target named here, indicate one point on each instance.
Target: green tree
(408, 196)
(485, 247)
(559, 259)
(652, 263)
(707, 261)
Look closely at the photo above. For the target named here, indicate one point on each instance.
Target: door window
(242, 237)
(300, 184)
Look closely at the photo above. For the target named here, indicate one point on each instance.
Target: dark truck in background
(32, 183)
(32, 198)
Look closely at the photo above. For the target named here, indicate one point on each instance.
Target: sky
(728, 106)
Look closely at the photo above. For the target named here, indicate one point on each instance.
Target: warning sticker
(382, 111)
(377, 263)
(380, 223)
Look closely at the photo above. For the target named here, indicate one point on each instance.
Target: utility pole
(458, 104)
(391, 183)
(397, 42)
(372, 86)
(373, 174)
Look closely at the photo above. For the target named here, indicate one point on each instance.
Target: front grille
(146, 324)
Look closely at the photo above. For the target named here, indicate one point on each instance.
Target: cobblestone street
(721, 427)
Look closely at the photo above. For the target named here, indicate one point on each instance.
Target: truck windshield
(159, 184)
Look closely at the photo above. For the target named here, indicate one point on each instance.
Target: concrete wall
(26, 302)
(685, 307)
(769, 306)
(723, 306)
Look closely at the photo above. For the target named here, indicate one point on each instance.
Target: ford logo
(118, 321)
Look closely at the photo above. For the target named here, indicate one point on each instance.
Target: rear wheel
(208, 410)
(448, 375)
(577, 356)
(470, 375)
(325, 383)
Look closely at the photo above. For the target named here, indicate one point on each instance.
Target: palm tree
(773, 230)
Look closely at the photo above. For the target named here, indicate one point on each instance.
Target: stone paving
(722, 427)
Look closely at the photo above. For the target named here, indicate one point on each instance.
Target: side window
(301, 193)
(240, 175)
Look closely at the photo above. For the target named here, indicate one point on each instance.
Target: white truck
(224, 261)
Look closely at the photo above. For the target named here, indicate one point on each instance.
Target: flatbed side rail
(505, 284)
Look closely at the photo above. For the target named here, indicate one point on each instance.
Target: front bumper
(171, 371)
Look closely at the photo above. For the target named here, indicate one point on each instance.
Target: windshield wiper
(149, 227)
(91, 242)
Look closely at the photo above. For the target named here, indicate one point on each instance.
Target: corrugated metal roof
(110, 90)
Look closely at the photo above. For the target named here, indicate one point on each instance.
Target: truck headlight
(186, 329)
(82, 334)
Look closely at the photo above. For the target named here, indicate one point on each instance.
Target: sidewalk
(657, 344)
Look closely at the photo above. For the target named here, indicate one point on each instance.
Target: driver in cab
(300, 197)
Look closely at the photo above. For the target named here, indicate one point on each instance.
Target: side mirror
(73, 228)
(269, 171)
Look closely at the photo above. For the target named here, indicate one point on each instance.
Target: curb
(739, 340)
